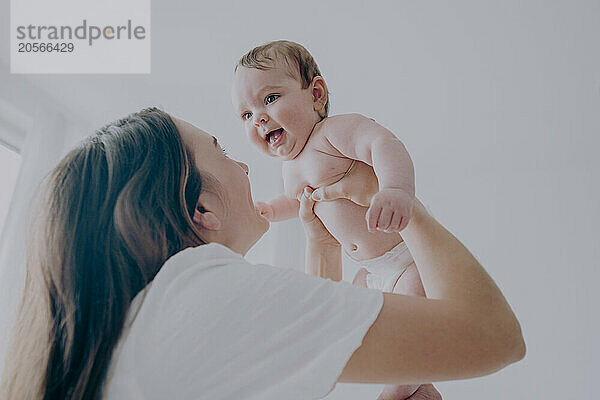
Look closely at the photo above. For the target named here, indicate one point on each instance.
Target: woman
(137, 288)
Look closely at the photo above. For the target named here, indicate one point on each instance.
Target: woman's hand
(323, 252)
(346, 187)
(316, 233)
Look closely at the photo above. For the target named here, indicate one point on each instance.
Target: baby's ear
(206, 219)
(319, 92)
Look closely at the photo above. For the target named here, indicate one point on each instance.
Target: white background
(9, 165)
(497, 102)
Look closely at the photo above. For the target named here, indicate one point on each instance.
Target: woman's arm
(323, 255)
(324, 261)
(464, 329)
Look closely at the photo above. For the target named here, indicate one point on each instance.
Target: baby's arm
(279, 209)
(360, 138)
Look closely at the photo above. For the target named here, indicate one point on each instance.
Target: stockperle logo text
(85, 31)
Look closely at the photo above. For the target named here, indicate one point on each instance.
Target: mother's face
(225, 213)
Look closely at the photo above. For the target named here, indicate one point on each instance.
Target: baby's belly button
(352, 247)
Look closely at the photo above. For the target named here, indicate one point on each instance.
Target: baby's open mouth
(273, 136)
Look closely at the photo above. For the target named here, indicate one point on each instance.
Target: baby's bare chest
(316, 166)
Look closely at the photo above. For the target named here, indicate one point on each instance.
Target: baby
(282, 100)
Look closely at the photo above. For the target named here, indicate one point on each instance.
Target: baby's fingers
(265, 209)
(385, 218)
(396, 222)
(403, 223)
(372, 217)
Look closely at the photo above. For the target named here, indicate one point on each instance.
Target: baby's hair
(298, 59)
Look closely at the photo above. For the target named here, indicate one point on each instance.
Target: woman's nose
(244, 167)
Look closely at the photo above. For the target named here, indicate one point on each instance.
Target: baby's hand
(390, 210)
(265, 209)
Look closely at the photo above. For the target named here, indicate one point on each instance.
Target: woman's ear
(319, 92)
(206, 219)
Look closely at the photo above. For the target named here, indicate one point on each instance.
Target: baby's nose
(260, 119)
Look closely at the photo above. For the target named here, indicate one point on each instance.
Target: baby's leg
(409, 283)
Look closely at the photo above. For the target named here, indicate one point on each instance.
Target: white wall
(498, 104)
(42, 132)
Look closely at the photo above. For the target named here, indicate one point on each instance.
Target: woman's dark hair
(110, 214)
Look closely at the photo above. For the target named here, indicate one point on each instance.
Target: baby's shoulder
(345, 120)
(342, 123)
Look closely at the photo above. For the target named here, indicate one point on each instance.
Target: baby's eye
(246, 116)
(224, 151)
(271, 98)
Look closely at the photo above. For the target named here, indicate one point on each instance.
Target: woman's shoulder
(211, 266)
(205, 255)
(211, 280)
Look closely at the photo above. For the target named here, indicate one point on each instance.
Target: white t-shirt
(213, 326)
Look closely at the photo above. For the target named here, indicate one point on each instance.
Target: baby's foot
(397, 392)
(360, 279)
(410, 392)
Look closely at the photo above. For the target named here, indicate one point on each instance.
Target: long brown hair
(110, 214)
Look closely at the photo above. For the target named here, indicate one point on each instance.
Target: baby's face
(278, 115)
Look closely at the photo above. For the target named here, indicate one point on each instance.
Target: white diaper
(387, 268)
